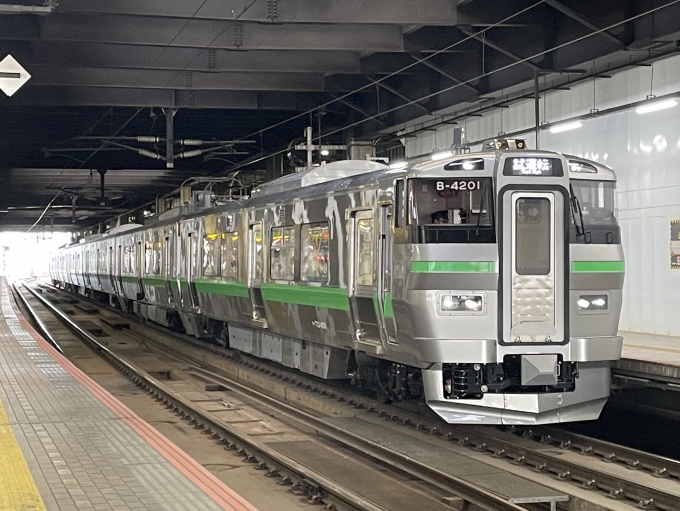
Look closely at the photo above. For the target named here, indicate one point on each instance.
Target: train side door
(365, 281)
(256, 261)
(167, 261)
(193, 270)
(533, 281)
(384, 273)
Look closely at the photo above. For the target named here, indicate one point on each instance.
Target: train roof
(317, 175)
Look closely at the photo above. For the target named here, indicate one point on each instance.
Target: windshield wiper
(481, 208)
(576, 209)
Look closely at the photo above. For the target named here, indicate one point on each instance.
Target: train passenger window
(314, 263)
(157, 257)
(211, 255)
(148, 258)
(229, 254)
(364, 268)
(460, 201)
(283, 253)
(128, 257)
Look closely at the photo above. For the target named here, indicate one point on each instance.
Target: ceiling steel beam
(394, 91)
(81, 54)
(139, 97)
(187, 80)
(356, 108)
(400, 12)
(488, 42)
(444, 73)
(583, 21)
(234, 35)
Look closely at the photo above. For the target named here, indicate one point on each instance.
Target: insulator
(148, 138)
(191, 141)
(190, 154)
(150, 154)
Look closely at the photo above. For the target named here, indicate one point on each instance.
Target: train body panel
(488, 283)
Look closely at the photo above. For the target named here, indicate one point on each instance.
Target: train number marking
(320, 325)
(460, 185)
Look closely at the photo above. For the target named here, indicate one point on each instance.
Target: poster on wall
(675, 245)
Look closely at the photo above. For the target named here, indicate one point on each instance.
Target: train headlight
(593, 303)
(463, 303)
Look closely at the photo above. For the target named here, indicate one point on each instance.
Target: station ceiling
(244, 77)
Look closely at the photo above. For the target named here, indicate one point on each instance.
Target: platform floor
(68, 445)
(660, 349)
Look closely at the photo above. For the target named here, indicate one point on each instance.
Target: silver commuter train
(489, 283)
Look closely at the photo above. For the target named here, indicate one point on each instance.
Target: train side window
(229, 254)
(364, 267)
(127, 259)
(399, 218)
(211, 255)
(314, 262)
(282, 266)
(148, 258)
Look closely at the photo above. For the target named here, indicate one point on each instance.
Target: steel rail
(267, 459)
(492, 441)
(205, 420)
(460, 487)
(37, 320)
(496, 442)
(660, 466)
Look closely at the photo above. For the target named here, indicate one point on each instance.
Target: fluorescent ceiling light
(325, 152)
(565, 127)
(654, 107)
(441, 155)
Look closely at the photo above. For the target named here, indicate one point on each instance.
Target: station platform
(650, 357)
(69, 445)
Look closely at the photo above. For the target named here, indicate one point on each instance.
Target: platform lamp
(654, 106)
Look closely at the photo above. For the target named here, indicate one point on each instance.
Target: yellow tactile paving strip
(18, 491)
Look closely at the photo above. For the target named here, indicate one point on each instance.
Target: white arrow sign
(12, 75)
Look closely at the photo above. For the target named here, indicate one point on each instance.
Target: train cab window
(533, 221)
(229, 253)
(314, 262)
(211, 255)
(451, 210)
(399, 202)
(593, 212)
(283, 253)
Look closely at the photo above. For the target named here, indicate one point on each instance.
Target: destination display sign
(532, 166)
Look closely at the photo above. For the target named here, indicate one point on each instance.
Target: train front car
(512, 276)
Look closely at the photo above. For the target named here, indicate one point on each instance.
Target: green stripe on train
(129, 278)
(226, 287)
(329, 297)
(453, 267)
(388, 312)
(597, 266)
(154, 281)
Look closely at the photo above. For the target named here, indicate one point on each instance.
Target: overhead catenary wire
(453, 87)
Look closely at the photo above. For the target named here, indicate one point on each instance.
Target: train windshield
(593, 208)
(464, 202)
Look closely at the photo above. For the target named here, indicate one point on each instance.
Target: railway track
(277, 465)
(521, 446)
